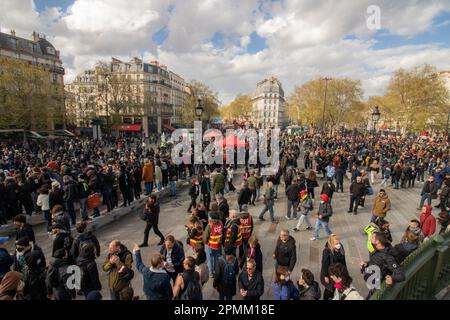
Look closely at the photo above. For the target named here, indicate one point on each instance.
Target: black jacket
(293, 192)
(84, 238)
(70, 192)
(225, 210)
(330, 257)
(227, 289)
(26, 231)
(244, 196)
(234, 225)
(34, 254)
(328, 188)
(357, 189)
(429, 187)
(60, 242)
(90, 280)
(5, 262)
(34, 274)
(311, 293)
(177, 256)
(386, 260)
(286, 253)
(56, 197)
(152, 213)
(254, 286)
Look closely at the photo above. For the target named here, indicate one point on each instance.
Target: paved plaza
(347, 226)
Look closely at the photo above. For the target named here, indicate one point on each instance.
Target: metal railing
(427, 272)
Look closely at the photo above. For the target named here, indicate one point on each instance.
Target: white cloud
(305, 38)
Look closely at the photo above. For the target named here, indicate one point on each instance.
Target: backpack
(229, 274)
(83, 242)
(193, 289)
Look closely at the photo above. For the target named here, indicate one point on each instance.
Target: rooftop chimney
(13, 33)
(35, 36)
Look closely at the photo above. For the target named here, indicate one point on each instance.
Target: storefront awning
(169, 127)
(131, 127)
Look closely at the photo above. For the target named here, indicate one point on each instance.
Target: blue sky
(232, 44)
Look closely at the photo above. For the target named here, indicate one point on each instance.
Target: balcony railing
(427, 272)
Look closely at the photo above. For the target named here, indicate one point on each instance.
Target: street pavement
(129, 229)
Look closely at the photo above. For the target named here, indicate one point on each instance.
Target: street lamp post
(324, 103)
(199, 109)
(375, 118)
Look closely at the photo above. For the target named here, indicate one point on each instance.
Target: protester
(324, 213)
(269, 198)
(357, 191)
(23, 229)
(427, 221)
(173, 255)
(285, 253)
(343, 283)
(156, 280)
(284, 288)
(306, 205)
(187, 285)
(381, 206)
(307, 287)
(84, 237)
(11, 286)
(233, 235)
(246, 227)
(226, 271)
(213, 239)
(332, 253)
(118, 265)
(151, 217)
(251, 282)
(6, 260)
(90, 281)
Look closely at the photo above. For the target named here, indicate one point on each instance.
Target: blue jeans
(425, 197)
(148, 187)
(224, 297)
(267, 208)
(292, 207)
(212, 256)
(319, 225)
(374, 217)
(173, 188)
(159, 186)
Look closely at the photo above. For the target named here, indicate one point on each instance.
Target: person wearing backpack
(118, 264)
(284, 288)
(225, 275)
(90, 280)
(187, 285)
(61, 240)
(84, 238)
(156, 280)
(57, 276)
(251, 282)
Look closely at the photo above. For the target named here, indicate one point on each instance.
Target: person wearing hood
(381, 206)
(307, 287)
(57, 276)
(285, 253)
(323, 215)
(306, 205)
(86, 262)
(30, 261)
(83, 238)
(23, 229)
(332, 253)
(344, 289)
(11, 286)
(283, 287)
(212, 238)
(428, 221)
(151, 215)
(6, 260)
(61, 239)
(385, 258)
(156, 280)
(251, 282)
(233, 235)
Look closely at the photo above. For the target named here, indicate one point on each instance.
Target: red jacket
(428, 222)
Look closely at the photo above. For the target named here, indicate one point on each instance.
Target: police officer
(384, 257)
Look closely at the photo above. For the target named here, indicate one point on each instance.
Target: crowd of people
(59, 179)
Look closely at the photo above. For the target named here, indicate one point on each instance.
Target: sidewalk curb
(105, 218)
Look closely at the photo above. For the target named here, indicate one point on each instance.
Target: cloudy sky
(232, 44)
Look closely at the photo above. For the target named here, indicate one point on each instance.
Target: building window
(14, 43)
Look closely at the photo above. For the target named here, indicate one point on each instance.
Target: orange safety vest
(198, 239)
(238, 240)
(214, 241)
(246, 227)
